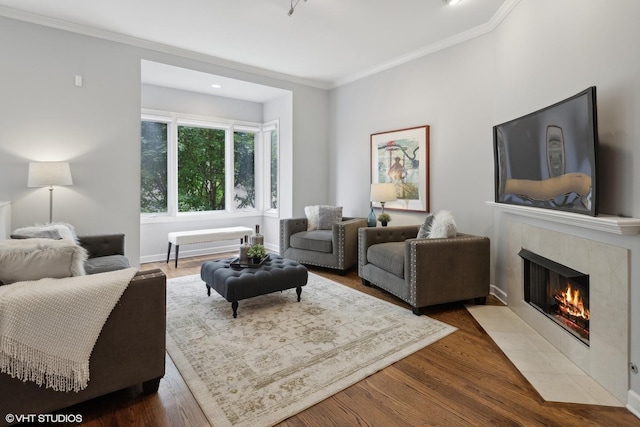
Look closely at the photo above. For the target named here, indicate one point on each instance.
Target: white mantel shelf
(605, 223)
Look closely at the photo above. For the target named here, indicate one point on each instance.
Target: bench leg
(177, 249)
(168, 252)
(299, 291)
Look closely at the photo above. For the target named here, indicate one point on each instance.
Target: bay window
(194, 165)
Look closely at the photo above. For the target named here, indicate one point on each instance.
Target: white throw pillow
(312, 213)
(443, 225)
(35, 259)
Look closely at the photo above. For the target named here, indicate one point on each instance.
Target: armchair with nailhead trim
(336, 248)
(424, 272)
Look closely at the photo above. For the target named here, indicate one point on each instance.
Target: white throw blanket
(48, 327)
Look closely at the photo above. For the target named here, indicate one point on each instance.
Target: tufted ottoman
(274, 274)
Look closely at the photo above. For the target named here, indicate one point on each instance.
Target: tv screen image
(548, 159)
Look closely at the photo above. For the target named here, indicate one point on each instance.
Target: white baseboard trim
(498, 293)
(633, 403)
(199, 252)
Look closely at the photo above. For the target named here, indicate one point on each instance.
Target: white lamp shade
(383, 192)
(46, 174)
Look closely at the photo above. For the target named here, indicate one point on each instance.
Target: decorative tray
(235, 263)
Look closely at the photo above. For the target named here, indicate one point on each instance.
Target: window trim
(261, 161)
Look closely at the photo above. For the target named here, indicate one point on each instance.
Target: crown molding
(478, 31)
(155, 46)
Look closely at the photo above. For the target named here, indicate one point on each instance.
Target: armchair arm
(103, 244)
(459, 266)
(288, 227)
(345, 239)
(373, 235)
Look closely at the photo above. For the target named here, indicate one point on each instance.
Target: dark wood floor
(463, 379)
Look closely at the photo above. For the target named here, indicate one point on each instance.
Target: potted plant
(384, 218)
(256, 253)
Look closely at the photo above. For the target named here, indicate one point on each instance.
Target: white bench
(204, 236)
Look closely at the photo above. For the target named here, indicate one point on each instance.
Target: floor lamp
(48, 174)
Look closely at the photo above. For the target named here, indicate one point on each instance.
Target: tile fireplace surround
(606, 359)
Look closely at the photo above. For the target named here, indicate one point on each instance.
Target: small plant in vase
(384, 218)
(256, 253)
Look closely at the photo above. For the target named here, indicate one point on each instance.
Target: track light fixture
(293, 6)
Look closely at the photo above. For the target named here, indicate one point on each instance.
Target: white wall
(440, 91)
(543, 52)
(97, 127)
(281, 109)
(94, 127)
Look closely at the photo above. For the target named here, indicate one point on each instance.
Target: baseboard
(633, 403)
(498, 293)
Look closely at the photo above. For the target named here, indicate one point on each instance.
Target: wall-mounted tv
(548, 159)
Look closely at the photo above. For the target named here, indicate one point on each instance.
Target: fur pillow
(35, 259)
(312, 212)
(54, 230)
(443, 225)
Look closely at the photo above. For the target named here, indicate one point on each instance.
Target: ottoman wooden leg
(299, 291)
(234, 306)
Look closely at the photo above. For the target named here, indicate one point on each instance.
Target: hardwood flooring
(463, 379)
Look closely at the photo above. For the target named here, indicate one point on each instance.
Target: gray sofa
(424, 272)
(336, 248)
(129, 351)
(106, 252)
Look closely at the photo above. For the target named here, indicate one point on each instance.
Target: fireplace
(559, 292)
(607, 263)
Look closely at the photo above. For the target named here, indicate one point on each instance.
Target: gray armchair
(336, 248)
(424, 272)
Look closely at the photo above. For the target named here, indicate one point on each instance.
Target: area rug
(280, 356)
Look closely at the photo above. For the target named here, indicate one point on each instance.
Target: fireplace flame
(571, 303)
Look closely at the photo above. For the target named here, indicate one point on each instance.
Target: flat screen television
(548, 159)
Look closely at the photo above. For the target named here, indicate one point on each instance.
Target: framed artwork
(401, 157)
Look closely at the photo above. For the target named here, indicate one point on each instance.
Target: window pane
(244, 170)
(274, 169)
(201, 176)
(153, 183)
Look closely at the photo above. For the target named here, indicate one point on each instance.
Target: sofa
(129, 351)
(105, 252)
(424, 271)
(333, 247)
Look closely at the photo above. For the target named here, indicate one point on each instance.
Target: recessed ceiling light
(451, 2)
(216, 86)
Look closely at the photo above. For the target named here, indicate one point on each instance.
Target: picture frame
(401, 157)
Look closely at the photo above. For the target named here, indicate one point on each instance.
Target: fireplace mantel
(605, 223)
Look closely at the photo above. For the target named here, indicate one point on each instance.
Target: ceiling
(325, 43)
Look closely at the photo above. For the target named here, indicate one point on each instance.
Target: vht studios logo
(43, 418)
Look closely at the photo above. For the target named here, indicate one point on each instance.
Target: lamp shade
(383, 192)
(46, 174)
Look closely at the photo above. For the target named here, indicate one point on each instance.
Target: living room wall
(96, 127)
(543, 52)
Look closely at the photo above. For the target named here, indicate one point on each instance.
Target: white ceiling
(325, 43)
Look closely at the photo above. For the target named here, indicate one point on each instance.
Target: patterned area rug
(280, 356)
